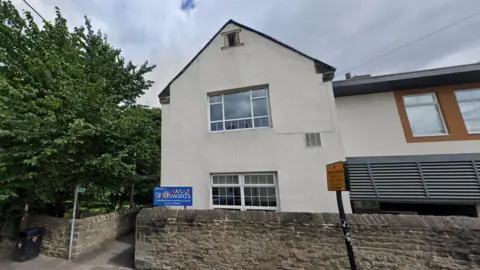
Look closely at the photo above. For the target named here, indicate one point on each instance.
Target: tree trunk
(114, 200)
(24, 222)
(122, 199)
(132, 190)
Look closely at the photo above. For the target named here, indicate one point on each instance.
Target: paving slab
(115, 255)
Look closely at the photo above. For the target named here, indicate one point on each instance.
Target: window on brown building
(469, 103)
(446, 113)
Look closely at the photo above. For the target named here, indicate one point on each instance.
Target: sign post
(78, 189)
(173, 196)
(338, 181)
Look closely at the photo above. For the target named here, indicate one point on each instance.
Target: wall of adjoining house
(89, 233)
(370, 126)
(213, 239)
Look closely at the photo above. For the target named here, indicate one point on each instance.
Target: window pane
(226, 196)
(231, 179)
(221, 180)
(425, 120)
(471, 115)
(463, 95)
(247, 191)
(262, 179)
(238, 124)
(262, 92)
(469, 110)
(426, 98)
(418, 99)
(217, 98)
(215, 180)
(476, 93)
(253, 179)
(409, 100)
(235, 179)
(263, 201)
(238, 200)
(272, 201)
(256, 201)
(270, 179)
(473, 126)
(237, 105)
(271, 191)
(216, 126)
(259, 93)
(248, 201)
(260, 107)
(216, 112)
(261, 122)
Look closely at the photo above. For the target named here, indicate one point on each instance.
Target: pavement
(115, 255)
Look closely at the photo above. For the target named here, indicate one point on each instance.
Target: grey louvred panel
(429, 178)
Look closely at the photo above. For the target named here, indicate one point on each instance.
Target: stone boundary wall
(215, 239)
(6, 248)
(89, 233)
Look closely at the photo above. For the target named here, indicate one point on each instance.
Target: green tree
(67, 108)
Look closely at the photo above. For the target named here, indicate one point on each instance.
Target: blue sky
(343, 33)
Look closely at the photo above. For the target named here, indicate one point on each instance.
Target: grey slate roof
(409, 80)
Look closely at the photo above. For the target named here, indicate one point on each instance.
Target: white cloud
(341, 33)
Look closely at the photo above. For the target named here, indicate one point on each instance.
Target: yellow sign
(336, 177)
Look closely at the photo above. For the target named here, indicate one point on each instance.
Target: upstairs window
(469, 103)
(231, 39)
(239, 110)
(424, 115)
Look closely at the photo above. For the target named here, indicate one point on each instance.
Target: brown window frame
(449, 109)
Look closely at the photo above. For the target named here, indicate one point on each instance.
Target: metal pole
(73, 223)
(346, 234)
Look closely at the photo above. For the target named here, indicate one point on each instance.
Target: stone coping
(88, 220)
(311, 219)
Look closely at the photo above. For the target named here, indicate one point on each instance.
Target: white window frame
(464, 101)
(439, 110)
(210, 122)
(242, 185)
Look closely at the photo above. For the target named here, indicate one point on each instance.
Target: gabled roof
(320, 66)
(469, 73)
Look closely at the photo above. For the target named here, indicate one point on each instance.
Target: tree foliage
(68, 114)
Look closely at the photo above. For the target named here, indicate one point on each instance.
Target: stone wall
(213, 239)
(89, 233)
(6, 249)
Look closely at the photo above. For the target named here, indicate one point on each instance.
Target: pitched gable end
(320, 67)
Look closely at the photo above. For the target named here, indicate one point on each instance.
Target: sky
(342, 33)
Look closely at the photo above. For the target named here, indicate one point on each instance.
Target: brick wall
(213, 239)
(89, 234)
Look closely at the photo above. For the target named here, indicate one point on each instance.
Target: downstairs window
(244, 192)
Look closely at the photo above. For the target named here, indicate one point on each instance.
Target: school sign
(173, 196)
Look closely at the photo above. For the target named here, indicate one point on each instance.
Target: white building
(250, 124)
(412, 140)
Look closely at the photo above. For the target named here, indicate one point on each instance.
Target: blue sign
(173, 196)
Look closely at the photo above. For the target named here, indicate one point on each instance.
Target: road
(115, 255)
